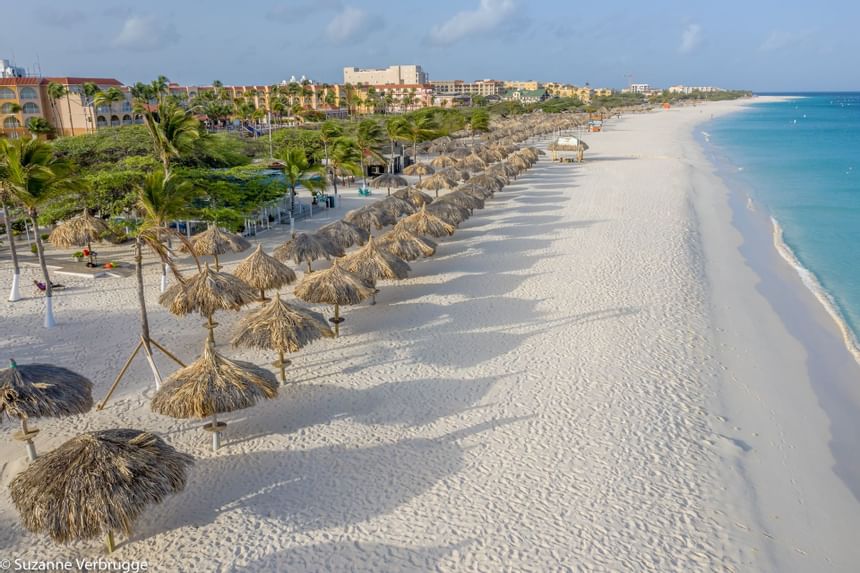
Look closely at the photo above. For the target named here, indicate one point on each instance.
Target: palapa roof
(439, 180)
(408, 246)
(413, 196)
(213, 384)
(280, 326)
(344, 234)
(42, 390)
(389, 180)
(394, 206)
(368, 217)
(472, 163)
(214, 241)
(262, 271)
(424, 223)
(306, 248)
(372, 264)
(334, 285)
(461, 199)
(419, 169)
(78, 231)
(207, 292)
(96, 483)
(449, 212)
(443, 161)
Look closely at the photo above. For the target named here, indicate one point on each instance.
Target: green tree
(39, 126)
(5, 198)
(420, 127)
(32, 175)
(173, 131)
(344, 157)
(298, 170)
(90, 90)
(479, 121)
(329, 132)
(369, 137)
(108, 97)
(397, 129)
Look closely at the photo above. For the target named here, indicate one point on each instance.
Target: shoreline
(785, 361)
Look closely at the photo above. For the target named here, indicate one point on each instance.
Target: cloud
(691, 37)
(299, 11)
(145, 33)
(490, 15)
(781, 39)
(347, 25)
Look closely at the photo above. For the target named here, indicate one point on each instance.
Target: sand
(586, 376)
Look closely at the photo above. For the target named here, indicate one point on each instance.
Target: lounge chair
(43, 288)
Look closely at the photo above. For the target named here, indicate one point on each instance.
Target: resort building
(22, 98)
(396, 75)
(526, 96)
(639, 88)
(392, 97)
(483, 88)
(527, 85)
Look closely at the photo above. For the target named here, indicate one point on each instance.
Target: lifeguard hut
(568, 144)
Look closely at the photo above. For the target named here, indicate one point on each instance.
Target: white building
(398, 75)
(640, 88)
(691, 89)
(7, 70)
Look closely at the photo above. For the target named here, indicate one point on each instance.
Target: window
(11, 122)
(30, 107)
(114, 120)
(126, 106)
(101, 121)
(126, 119)
(103, 109)
(6, 93)
(7, 108)
(28, 93)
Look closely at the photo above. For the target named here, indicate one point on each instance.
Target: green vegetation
(667, 97)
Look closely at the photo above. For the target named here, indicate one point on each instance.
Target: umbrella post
(216, 428)
(310, 270)
(336, 320)
(26, 435)
(263, 295)
(283, 366)
(109, 542)
(211, 326)
(217, 264)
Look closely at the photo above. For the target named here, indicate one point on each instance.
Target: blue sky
(757, 44)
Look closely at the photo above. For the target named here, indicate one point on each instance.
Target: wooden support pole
(167, 353)
(122, 372)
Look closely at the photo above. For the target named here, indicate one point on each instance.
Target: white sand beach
(589, 375)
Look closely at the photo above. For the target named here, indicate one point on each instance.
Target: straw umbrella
(42, 390)
(448, 212)
(395, 207)
(206, 292)
(306, 248)
(487, 180)
(79, 231)
(213, 385)
(390, 180)
(335, 286)
(213, 242)
(438, 181)
(443, 161)
(424, 223)
(372, 264)
(280, 327)
(368, 217)
(413, 196)
(461, 199)
(408, 246)
(97, 483)
(472, 163)
(344, 234)
(460, 153)
(419, 169)
(264, 272)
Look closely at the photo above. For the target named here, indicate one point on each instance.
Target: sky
(762, 45)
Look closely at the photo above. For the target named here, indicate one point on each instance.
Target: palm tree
(108, 98)
(368, 137)
(479, 121)
(172, 129)
(55, 92)
(160, 199)
(329, 132)
(344, 157)
(38, 126)
(420, 127)
(299, 171)
(90, 90)
(14, 293)
(32, 176)
(397, 129)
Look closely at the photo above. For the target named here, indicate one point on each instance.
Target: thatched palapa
(438, 181)
(213, 242)
(372, 264)
(80, 231)
(307, 248)
(442, 162)
(413, 196)
(344, 234)
(41, 390)
(419, 169)
(448, 212)
(367, 218)
(424, 223)
(97, 483)
(264, 272)
(394, 206)
(408, 246)
(335, 286)
(389, 180)
(280, 327)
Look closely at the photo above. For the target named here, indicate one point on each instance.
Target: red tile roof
(63, 80)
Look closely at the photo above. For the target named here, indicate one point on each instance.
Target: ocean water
(800, 159)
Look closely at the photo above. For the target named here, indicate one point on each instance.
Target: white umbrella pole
(15, 294)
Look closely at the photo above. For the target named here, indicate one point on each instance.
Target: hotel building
(396, 75)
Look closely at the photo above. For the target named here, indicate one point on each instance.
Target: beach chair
(364, 191)
(43, 288)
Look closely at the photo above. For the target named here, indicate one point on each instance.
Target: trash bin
(331, 201)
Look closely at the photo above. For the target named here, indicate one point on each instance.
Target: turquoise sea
(800, 159)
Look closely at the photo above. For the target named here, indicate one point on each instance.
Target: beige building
(459, 87)
(397, 75)
(527, 85)
(72, 114)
